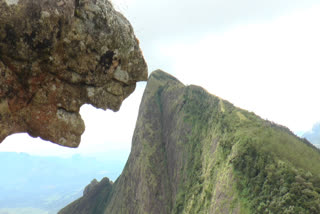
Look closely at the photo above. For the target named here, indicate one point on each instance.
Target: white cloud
(167, 19)
(245, 52)
(270, 68)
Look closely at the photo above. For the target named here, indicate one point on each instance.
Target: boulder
(55, 56)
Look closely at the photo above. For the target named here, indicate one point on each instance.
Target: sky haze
(262, 56)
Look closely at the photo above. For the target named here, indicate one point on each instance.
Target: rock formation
(193, 152)
(94, 198)
(56, 55)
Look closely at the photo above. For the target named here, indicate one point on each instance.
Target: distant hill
(314, 135)
(193, 152)
(34, 184)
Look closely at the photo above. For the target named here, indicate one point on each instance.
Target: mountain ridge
(193, 152)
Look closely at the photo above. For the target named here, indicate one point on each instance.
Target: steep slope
(193, 152)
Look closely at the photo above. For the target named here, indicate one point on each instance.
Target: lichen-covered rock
(56, 55)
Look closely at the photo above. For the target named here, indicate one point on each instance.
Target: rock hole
(106, 60)
(11, 36)
(29, 38)
(46, 43)
(59, 29)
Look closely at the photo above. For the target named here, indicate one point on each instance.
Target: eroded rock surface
(56, 55)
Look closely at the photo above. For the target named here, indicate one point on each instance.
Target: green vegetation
(193, 152)
(273, 186)
(274, 171)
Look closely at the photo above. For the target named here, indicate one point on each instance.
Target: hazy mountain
(33, 184)
(314, 135)
(193, 152)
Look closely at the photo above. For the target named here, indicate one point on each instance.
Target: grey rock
(56, 55)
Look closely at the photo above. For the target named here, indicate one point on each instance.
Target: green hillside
(193, 152)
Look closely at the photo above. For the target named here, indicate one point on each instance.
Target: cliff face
(193, 152)
(58, 55)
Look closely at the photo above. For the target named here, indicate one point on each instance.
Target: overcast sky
(260, 55)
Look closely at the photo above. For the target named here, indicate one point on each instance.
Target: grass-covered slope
(193, 152)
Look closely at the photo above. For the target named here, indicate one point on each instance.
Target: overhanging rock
(56, 55)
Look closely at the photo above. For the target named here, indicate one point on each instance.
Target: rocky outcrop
(56, 55)
(94, 199)
(90, 187)
(193, 152)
